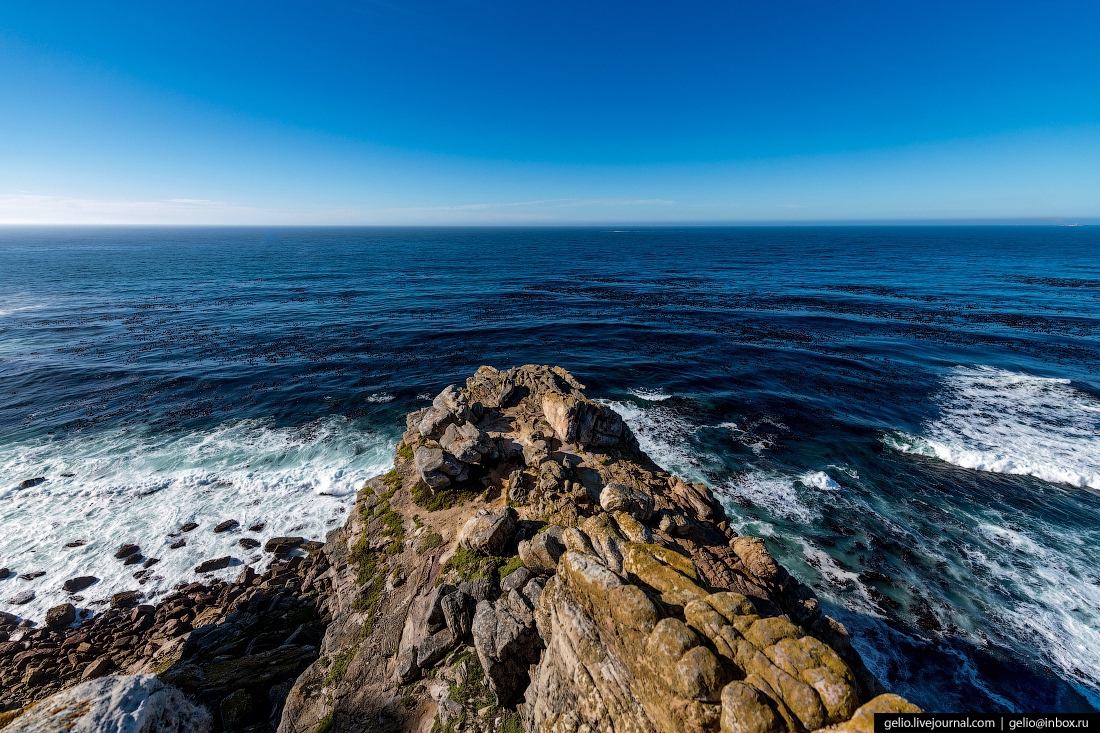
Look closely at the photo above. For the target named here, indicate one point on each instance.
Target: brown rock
(209, 566)
(75, 585)
(61, 616)
(126, 550)
(98, 668)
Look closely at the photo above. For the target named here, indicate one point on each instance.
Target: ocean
(909, 416)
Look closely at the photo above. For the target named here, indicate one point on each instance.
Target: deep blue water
(910, 416)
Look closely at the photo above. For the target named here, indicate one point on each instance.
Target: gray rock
(437, 468)
(435, 421)
(551, 477)
(407, 671)
(467, 443)
(519, 488)
(481, 589)
(435, 618)
(535, 452)
(635, 502)
(458, 612)
(506, 647)
(21, 598)
(434, 648)
(412, 420)
(515, 580)
(61, 616)
(540, 554)
(449, 710)
(126, 704)
(489, 531)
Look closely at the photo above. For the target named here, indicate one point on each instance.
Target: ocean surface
(910, 416)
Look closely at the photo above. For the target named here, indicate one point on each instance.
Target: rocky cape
(524, 566)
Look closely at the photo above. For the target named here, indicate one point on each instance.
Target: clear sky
(520, 112)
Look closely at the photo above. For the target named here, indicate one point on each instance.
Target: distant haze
(549, 113)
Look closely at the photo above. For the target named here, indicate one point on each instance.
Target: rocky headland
(524, 566)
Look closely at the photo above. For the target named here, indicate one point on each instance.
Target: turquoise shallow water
(910, 416)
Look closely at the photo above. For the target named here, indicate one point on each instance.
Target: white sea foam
(1006, 422)
(135, 486)
(651, 395)
(664, 436)
(381, 398)
(819, 480)
(774, 492)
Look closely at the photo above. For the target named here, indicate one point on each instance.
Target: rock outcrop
(524, 566)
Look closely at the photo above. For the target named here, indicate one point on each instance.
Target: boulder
(622, 498)
(33, 575)
(5, 573)
(540, 554)
(580, 421)
(433, 648)
(489, 531)
(125, 599)
(61, 616)
(481, 589)
(282, 545)
(434, 617)
(22, 598)
(434, 422)
(458, 612)
(209, 566)
(519, 487)
(248, 543)
(515, 580)
(535, 453)
(226, 526)
(137, 703)
(506, 647)
(125, 551)
(467, 443)
(407, 670)
(189, 526)
(437, 468)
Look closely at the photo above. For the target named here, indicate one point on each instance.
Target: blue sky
(525, 112)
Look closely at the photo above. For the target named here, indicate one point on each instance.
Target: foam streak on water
(136, 486)
(1006, 422)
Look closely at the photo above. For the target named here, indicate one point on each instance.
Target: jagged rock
(125, 599)
(489, 531)
(580, 421)
(606, 541)
(632, 529)
(540, 554)
(437, 468)
(189, 526)
(33, 575)
(458, 612)
(515, 580)
(61, 616)
(137, 703)
(635, 502)
(519, 487)
(29, 482)
(480, 589)
(535, 453)
(433, 648)
(505, 647)
(435, 421)
(551, 477)
(407, 670)
(435, 618)
(209, 566)
(248, 543)
(467, 443)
